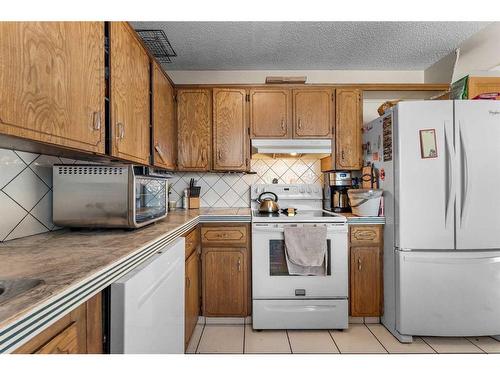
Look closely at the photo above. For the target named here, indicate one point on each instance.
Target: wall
(233, 189)
(313, 76)
(26, 193)
(479, 52)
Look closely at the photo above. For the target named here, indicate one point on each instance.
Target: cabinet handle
(121, 130)
(188, 282)
(300, 124)
(342, 155)
(219, 154)
(283, 124)
(239, 265)
(97, 120)
(160, 153)
(360, 266)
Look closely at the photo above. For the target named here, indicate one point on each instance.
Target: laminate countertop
(76, 264)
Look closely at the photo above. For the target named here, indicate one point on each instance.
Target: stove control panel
(288, 191)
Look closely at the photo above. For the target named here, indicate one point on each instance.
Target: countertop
(77, 264)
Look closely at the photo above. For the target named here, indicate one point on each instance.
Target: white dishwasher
(147, 305)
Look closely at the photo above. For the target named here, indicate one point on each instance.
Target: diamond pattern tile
(233, 189)
(26, 193)
(26, 189)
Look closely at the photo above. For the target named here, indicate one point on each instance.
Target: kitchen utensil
(268, 204)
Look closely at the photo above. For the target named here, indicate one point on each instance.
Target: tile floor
(358, 339)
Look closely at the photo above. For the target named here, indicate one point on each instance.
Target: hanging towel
(306, 250)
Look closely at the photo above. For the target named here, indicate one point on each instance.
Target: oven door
(270, 278)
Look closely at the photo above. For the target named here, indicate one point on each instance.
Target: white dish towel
(306, 250)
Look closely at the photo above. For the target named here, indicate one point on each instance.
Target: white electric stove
(284, 301)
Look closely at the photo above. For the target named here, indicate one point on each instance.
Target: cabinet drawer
(192, 241)
(366, 234)
(235, 235)
(66, 342)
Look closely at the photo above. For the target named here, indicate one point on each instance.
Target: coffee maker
(335, 191)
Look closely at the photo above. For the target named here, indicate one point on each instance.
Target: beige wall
(313, 76)
(478, 53)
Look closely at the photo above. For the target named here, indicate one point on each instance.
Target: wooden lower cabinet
(226, 269)
(365, 285)
(79, 332)
(365, 281)
(224, 282)
(192, 284)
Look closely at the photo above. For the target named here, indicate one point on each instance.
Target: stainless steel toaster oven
(107, 196)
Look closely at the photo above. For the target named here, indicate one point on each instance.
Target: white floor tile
(222, 339)
(266, 341)
(392, 345)
(312, 342)
(488, 344)
(357, 339)
(195, 339)
(452, 345)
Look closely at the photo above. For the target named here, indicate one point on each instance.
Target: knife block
(194, 202)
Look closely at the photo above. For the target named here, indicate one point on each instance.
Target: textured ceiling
(311, 45)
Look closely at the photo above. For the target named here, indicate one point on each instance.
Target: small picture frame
(428, 144)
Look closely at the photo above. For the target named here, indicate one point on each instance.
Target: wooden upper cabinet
(348, 150)
(52, 83)
(313, 113)
(164, 128)
(230, 134)
(130, 102)
(270, 113)
(194, 123)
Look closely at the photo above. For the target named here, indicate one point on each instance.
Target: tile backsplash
(26, 187)
(26, 193)
(233, 189)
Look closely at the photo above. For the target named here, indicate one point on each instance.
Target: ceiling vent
(158, 45)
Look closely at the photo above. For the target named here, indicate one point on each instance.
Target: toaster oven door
(150, 199)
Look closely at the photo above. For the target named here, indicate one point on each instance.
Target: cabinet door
(164, 129)
(365, 280)
(52, 84)
(130, 112)
(224, 282)
(192, 295)
(313, 113)
(270, 113)
(194, 123)
(230, 130)
(348, 152)
(68, 335)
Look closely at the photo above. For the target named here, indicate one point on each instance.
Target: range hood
(289, 146)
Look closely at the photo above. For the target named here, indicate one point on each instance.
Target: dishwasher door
(147, 305)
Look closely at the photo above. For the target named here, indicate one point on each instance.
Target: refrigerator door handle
(448, 176)
(464, 174)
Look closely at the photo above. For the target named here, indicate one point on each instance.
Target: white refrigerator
(439, 165)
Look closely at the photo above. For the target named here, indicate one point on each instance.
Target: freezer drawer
(448, 293)
(300, 314)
